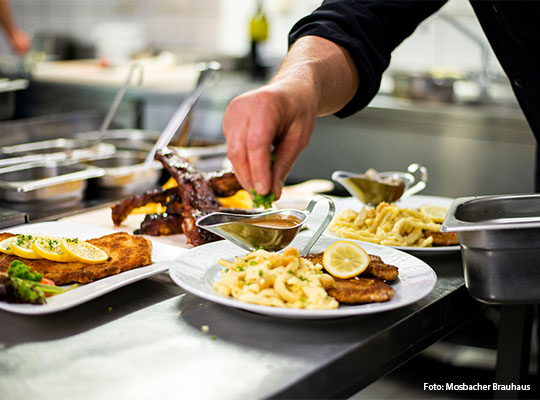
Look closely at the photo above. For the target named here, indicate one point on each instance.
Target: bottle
(258, 33)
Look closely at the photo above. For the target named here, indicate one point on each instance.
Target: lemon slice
(344, 259)
(83, 251)
(50, 249)
(436, 213)
(5, 245)
(21, 245)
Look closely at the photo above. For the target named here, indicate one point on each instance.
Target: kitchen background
(473, 138)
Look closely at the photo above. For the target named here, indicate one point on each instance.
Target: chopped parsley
(253, 262)
(260, 272)
(260, 200)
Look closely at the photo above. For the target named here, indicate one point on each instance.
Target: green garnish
(226, 270)
(253, 262)
(240, 268)
(72, 240)
(260, 200)
(18, 269)
(303, 279)
(290, 272)
(213, 337)
(260, 272)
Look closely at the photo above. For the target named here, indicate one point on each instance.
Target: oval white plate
(351, 203)
(196, 270)
(161, 255)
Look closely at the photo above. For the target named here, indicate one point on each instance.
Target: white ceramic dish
(352, 203)
(196, 271)
(162, 254)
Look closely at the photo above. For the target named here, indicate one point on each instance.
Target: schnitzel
(361, 290)
(368, 287)
(125, 252)
(377, 268)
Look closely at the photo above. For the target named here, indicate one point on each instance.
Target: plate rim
(343, 311)
(112, 282)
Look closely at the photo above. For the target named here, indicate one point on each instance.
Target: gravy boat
(375, 191)
(269, 230)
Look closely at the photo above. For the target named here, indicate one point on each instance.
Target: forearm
(324, 70)
(6, 21)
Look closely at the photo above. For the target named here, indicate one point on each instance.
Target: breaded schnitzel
(377, 268)
(361, 290)
(125, 252)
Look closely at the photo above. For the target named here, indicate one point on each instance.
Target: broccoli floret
(18, 269)
(263, 200)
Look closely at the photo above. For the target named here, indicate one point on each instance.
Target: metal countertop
(145, 341)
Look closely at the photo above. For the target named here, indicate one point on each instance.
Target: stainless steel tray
(48, 181)
(125, 172)
(124, 139)
(53, 150)
(500, 246)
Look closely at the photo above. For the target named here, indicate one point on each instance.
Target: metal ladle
(237, 227)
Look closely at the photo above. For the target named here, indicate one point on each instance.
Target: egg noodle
(387, 224)
(276, 279)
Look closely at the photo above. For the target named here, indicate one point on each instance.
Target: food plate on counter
(162, 255)
(413, 202)
(197, 270)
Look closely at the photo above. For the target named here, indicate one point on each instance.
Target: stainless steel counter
(145, 341)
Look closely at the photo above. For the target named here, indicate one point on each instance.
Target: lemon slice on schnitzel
(345, 260)
(50, 249)
(83, 251)
(5, 245)
(21, 245)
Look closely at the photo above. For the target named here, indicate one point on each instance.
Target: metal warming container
(500, 246)
(46, 182)
(126, 172)
(53, 150)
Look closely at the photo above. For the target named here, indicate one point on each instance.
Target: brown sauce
(274, 221)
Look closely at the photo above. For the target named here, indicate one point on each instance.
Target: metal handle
(118, 98)
(324, 224)
(206, 75)
(421, 184)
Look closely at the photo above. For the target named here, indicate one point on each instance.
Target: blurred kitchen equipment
(8, 88)
(207, 72)
(125, 173)
(500, 246)
(53, 150)
(118, 98)
(44, 182)
(269, 230)
(424, 86)
(387, 186)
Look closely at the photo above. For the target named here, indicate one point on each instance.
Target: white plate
(162, 254)
(351, 203)
(197, 270)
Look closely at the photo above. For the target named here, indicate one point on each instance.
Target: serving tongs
(237, 228)
(207, 72)
(373, 191)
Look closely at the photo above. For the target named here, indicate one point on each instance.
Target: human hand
(20, 41)
(280, 114)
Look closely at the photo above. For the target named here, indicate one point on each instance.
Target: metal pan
(46, 181)
(500, 246)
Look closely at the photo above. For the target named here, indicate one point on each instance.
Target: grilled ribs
(194, 197)
(197, 196)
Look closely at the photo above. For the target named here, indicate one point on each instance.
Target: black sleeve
(369, 30)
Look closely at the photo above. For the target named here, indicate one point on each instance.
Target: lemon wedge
(344, 259)
(21, 245)
(5, 245)
(50, 249)
(436, 213)
(83, 251)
